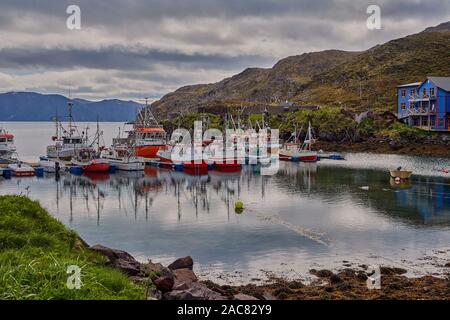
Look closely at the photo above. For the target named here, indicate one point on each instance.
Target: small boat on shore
(21, 169)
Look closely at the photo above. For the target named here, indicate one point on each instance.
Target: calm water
(306, 216)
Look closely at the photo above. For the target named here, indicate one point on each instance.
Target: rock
(197, 291)
(164, 284)
(392, 270)
(447, 265)
(154, 294)
(182, 263)
(119, 259)
(323, 273)
(334, 279)
(244, 297)
(184, 276)
(156, 270)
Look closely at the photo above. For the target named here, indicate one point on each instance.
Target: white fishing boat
(67, 141)
(51, 166)
(7, 147)
(123, 159)
(306, 154)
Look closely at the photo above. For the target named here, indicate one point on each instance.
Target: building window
(403, 106)
(424, 92)
(432, 121)
(416, 121)
(441, 123)
(411, 105)
(424, 122)
(431, 91)
(412, 92)
(403, 93)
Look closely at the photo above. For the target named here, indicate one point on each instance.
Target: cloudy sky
(147, 48)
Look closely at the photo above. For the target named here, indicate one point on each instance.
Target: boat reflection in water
(306, 214)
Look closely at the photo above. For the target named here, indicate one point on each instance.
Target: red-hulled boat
(89, 161)
(148, 135)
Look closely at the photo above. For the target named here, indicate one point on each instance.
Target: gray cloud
(136, 48)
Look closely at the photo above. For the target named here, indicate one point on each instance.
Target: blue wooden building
(425, 104)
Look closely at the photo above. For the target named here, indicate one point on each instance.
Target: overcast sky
(147, 48)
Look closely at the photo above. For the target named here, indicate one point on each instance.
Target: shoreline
(410, 149)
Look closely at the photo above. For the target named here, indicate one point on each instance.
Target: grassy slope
(35, 251)
(379, 70)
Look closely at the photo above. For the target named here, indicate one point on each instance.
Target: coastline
(382, 147)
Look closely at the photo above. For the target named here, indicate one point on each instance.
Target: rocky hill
(355, 80)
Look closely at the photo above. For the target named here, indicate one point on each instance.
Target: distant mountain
(355, 80)
(30, 106)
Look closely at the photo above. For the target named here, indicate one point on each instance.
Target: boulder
(322, 273)
(244, 297)
(182, 263)
(119, 259)
(197, 291)
(184, 276)
(164, 284)
(155, 270)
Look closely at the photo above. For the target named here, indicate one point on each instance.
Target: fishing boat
(7, 147)
(149, 136)
(20, 169)
(122, 157)
(306, 154)
(88, 159)
(50, 165)
(291, 149)
(67, 141)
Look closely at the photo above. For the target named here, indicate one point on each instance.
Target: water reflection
(304, 214)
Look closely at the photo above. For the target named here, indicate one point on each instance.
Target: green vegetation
(35, 251)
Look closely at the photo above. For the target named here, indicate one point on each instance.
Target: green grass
(35, 251)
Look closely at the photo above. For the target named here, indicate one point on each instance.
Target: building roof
(415, 84)
(441, 82)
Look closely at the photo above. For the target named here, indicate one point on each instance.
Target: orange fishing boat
(148, 135)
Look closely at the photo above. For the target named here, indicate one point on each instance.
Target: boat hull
(93, 166)
(149, 152)
(21, 171)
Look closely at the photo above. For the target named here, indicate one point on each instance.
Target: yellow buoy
(239, 206)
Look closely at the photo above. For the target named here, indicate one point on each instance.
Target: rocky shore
(389, 147)
(179, 282)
